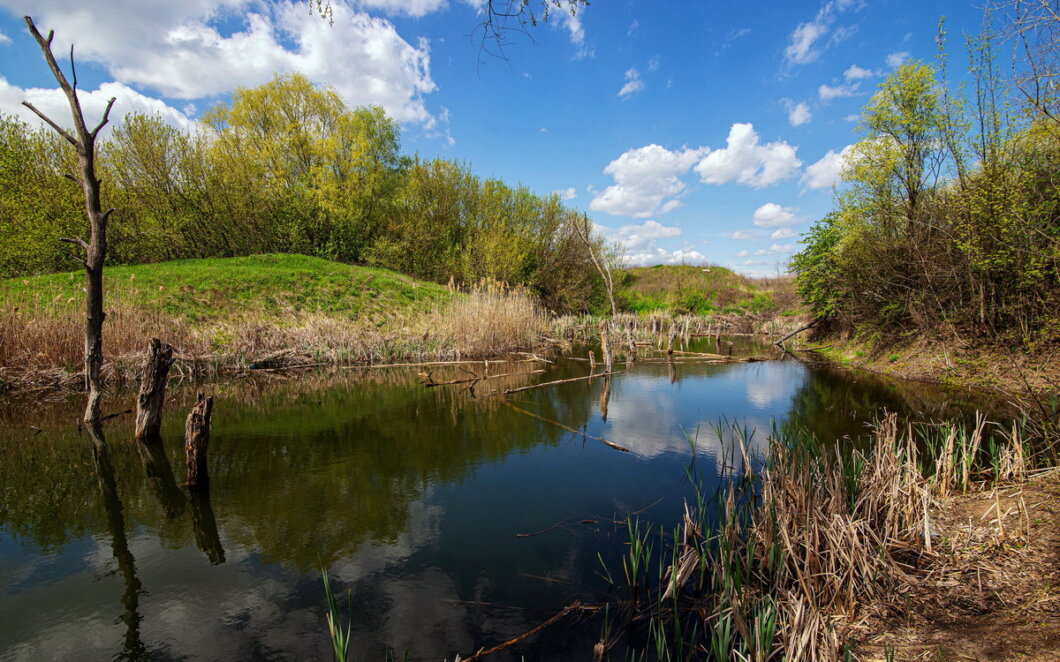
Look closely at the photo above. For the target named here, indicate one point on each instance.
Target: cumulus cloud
(783, 233)
(566, 193)
(771, 215)
(4, 39)
(776, 249)
(829, 92)
(662, 256)
(178, 50)
(895, 60)
(633, 84)
(639, 243)
(826, 172)
(53, 103)
(646, 181)
(798, 113)
(745, 161)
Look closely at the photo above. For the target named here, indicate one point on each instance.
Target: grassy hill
(700, 290)
(257, 286)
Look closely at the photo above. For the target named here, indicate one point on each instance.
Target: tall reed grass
(783, 561)
(43, 341)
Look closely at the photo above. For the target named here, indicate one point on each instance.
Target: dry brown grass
(44, 343)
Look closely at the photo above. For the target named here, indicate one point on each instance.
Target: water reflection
(412, 496)
(132, 646)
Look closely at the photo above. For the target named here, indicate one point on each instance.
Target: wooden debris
(558, 381)
(570, 429)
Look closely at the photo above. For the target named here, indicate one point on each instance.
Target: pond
(452, 520)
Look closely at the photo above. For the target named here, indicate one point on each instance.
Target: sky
(693, 132)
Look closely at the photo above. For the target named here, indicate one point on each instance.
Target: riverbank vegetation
(946, 224)
(259, 311)
(805, 553)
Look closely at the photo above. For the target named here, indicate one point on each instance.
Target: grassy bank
(998, 366)
(223, 314)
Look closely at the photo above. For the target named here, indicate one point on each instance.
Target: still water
(419, 501)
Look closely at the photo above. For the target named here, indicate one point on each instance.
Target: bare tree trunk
(605, 271)
(153, 389)
(673, 336)
(632, 343)
(196, 437)
(84, 142)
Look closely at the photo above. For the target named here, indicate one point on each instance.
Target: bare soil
(991, 588)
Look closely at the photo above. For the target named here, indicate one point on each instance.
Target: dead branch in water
(570, 429)
(780, 343)
(558, 381)
(431, 363)
(480, 379)
(574, 606)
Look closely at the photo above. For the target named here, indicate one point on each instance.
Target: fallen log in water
(570, 429)
(467, 380)
(558, 381)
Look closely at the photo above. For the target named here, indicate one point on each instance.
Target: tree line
(288, 167)
(947, 219)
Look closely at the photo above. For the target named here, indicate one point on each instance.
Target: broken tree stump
(605, 345)
(152, 395)
(196, 437)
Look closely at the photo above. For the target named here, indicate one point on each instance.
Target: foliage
(286, 167)
(684, 289)
(948, 218)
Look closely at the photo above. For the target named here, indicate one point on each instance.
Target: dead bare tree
(84, 142)
(1035, 30)
(585, 234)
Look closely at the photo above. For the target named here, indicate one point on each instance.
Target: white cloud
(644, 178)
(4, 39)
(826, 172)
(633, 83)
(653, 63)
(564, 19)
(414, 8)
(776, 249)
(742, 235)
(176, 49)
(662, 256)
(747, 162)
(53, 103)
(895, 60)
(771, 215)
(632, 28)
(804, 46)
(801, 50)
(639, 242)
(783, 233)
(854, 72)
(566, 194)
(743, 253)
(829, 92)
(798, 113)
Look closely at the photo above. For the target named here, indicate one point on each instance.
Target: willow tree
(83, 141)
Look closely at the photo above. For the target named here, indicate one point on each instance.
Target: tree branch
(106, 117)
(107, 214)
(78, 241)
(60, 130)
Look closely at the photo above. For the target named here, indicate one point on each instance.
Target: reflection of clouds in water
(236, 610)
(650, 416)
(722, 442)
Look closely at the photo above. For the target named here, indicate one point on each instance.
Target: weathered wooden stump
(152, 395)
(196, 437)
(605, 345)
(673, 336)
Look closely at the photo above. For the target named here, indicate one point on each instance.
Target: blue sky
(689, 132)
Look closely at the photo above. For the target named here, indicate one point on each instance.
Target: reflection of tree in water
(133, 648)
(837, 402)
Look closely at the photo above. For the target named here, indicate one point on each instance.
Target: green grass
(239, 287)
(697, 290)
